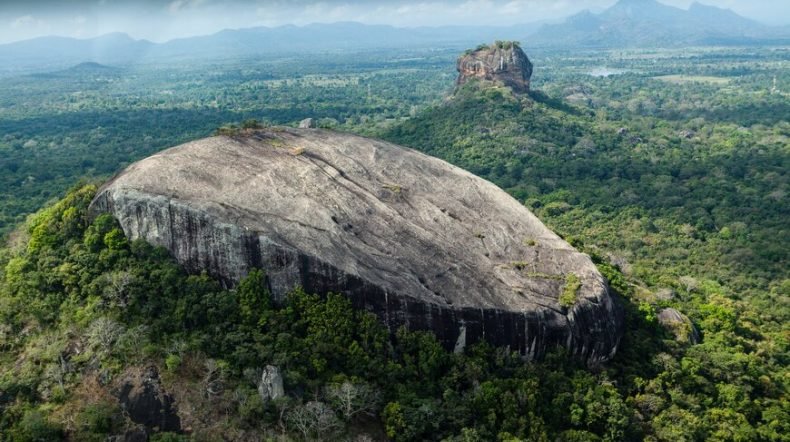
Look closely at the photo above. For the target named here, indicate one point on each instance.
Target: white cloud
(23, 22)
(160, 20)
(476, 7)
(79, 27)
(514, 7)
(24, 27)
(175, 6)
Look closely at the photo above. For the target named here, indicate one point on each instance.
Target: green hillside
(677, 189)
(691, 212)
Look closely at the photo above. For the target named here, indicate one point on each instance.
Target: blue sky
(164, 20)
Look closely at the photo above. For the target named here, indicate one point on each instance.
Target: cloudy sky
(164, 20)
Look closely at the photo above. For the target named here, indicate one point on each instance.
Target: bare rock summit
(417, 241)
(502, 62)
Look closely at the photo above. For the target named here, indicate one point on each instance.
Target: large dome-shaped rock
(502, 62)
(412, 238)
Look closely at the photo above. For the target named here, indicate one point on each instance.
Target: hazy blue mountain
(86, 70)
(59, 52)
(118, 49)
(647, 23)
(335, 36)
(627, 23)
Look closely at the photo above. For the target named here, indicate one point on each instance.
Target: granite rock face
(415, 240)
(502, 62)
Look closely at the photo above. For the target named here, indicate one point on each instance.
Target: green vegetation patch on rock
(570, 290)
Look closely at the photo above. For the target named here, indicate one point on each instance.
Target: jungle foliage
(674, 183)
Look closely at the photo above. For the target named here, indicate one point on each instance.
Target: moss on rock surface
(570, 291)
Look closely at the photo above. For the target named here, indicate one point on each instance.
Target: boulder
(502, 62)
(411, 238)
(680, 325)
(307, 123)
(146, 403)
(271, 384)
(133, 435)
(687, 134)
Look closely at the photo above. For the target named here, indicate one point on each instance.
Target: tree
(34, 426)
(214, 377)
(102, 335)
(350, 399)
(677, 424)
(313, 419)
(254, 298)
(116, 290)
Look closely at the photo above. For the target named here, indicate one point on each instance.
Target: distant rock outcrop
(415, 240)
(679, 325)
(502, 62)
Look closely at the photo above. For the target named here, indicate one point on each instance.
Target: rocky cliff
(415, 240)
(502, 62)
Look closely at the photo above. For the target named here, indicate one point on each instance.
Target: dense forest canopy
(668, 167)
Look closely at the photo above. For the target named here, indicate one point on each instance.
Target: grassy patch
(683, 79)
(544, 276)
(570, 290)
(392, 187)
(523, 265)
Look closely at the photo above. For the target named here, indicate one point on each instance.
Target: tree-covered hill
(693, 212)
(84, 310)
(673, 176)
(677, 198)
(92, 122)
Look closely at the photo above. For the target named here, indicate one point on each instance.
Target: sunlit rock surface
(415, 240)
(502, 62)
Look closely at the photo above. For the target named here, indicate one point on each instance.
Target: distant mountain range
(648, 23)
(629, 23)
(120, 49)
